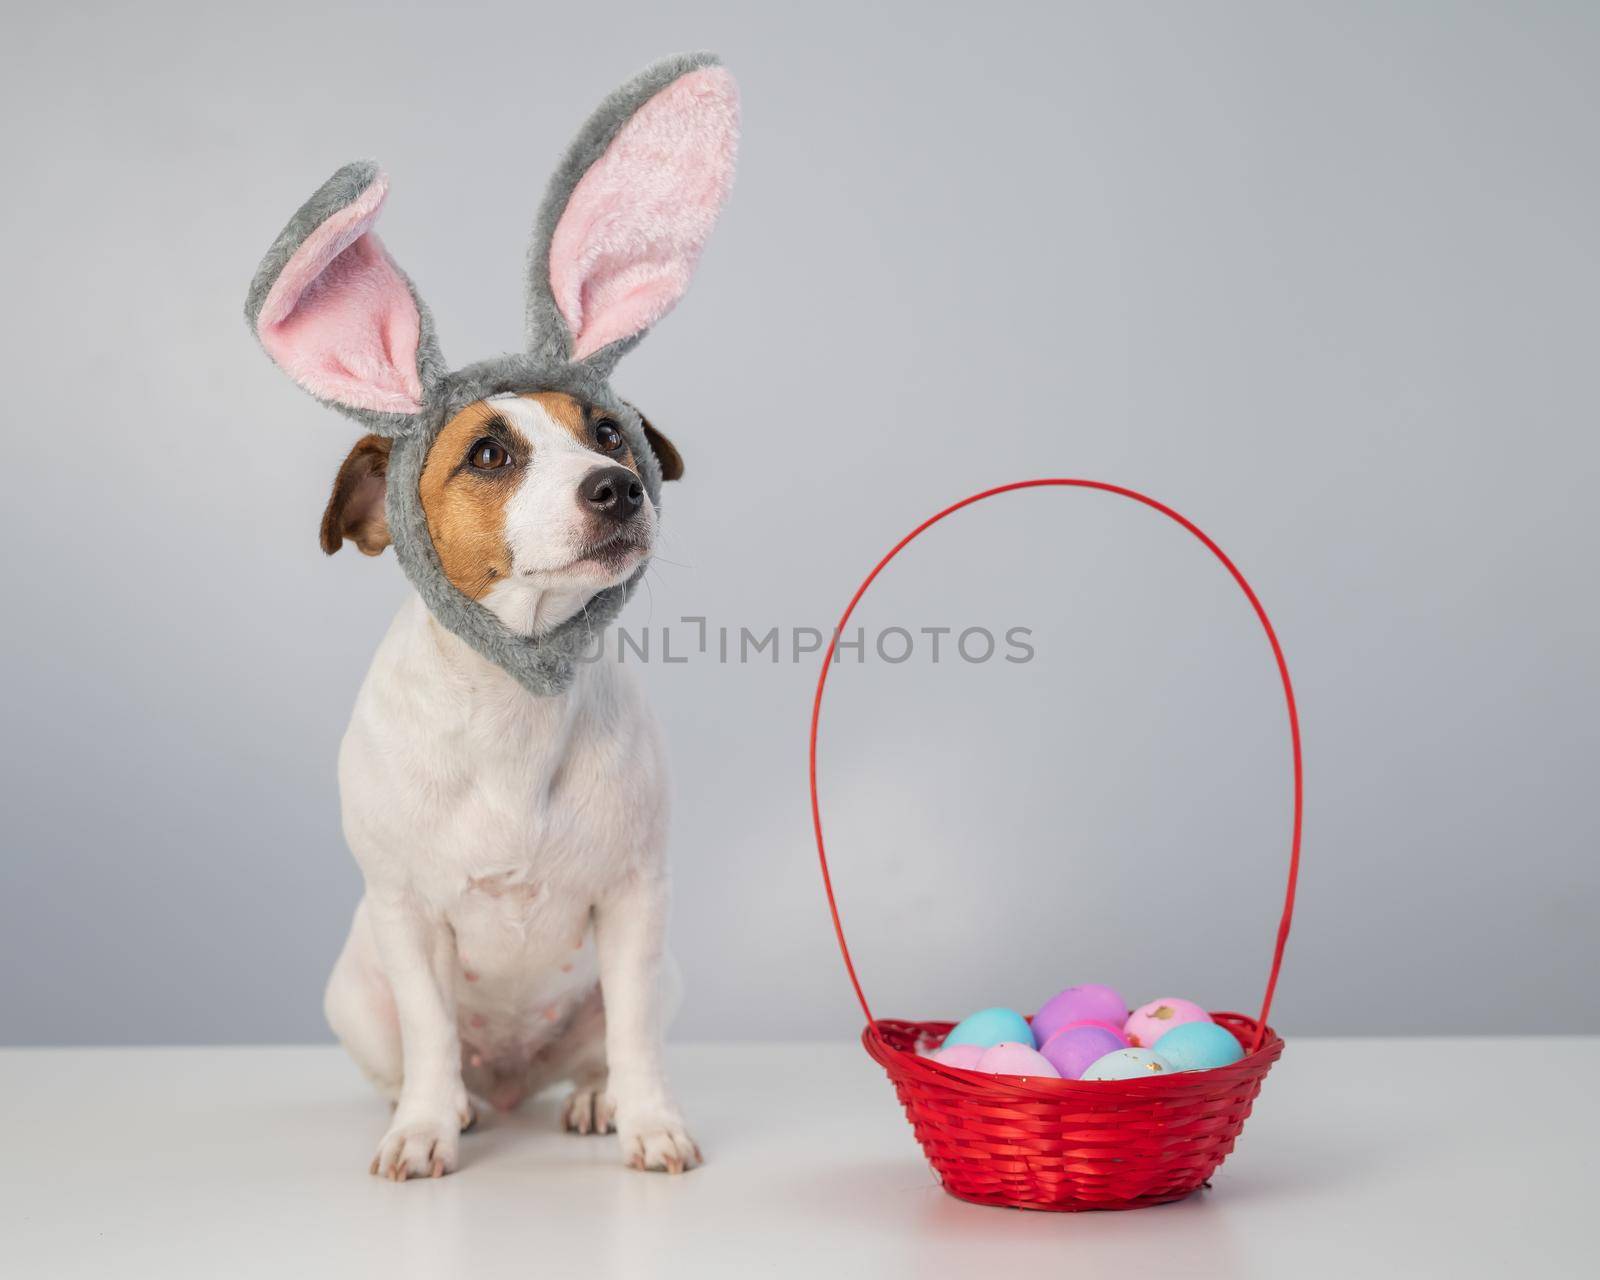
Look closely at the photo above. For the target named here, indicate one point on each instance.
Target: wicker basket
(1034, 1143)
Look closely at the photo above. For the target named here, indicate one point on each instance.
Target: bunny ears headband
(615, 242)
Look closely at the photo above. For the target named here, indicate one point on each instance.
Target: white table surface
(1427, 1157)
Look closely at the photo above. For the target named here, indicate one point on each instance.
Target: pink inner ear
(341, 320)
(627, 243)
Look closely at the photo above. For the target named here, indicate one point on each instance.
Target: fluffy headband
(617, 236)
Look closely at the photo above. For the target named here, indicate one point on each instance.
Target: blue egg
(989, 1027)
(1128, 1064)
(1199, 1046)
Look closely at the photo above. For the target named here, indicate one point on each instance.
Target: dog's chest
(508, 812)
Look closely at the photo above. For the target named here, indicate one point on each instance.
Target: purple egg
(1088, 1003)
(1114, 1028)
(1075, 1050)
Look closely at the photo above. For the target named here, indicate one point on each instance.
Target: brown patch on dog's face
(471, 472)
(355, 507)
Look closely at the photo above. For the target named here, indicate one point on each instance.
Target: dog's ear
(627, 213)
(338, 316)
(356, 505)
(666, 452)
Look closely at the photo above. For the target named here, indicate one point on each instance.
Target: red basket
(1034, 1143)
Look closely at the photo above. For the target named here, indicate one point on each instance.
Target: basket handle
(1266, 626)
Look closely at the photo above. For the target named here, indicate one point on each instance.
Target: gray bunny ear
(627, 213)
(330, 306)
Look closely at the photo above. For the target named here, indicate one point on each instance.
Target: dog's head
(521, 489)
(534, 503)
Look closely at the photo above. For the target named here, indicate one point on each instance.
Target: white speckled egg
(1128, 1064)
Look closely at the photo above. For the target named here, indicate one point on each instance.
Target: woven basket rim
(908, 1065)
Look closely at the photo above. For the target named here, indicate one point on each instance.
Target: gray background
(1321, 276)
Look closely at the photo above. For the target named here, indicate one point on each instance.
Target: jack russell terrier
(505, 798)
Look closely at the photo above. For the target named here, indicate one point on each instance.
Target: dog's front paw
(418, 1146)
(658, 1142)
(589, 1110)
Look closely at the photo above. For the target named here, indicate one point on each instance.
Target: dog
(506, 803)
(502, 851)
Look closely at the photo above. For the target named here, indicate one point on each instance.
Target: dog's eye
(487, 455)
(607, 435)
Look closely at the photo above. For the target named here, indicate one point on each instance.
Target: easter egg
(1149, 1022)
(1114, 1027)
(959, 1055)
(1088, 1003)
(990, 1026)
(1011, 1059)
(1199, 1046)
(1128, 1064)
(1073, 1050)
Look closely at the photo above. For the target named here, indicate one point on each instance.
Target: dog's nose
(613, 493)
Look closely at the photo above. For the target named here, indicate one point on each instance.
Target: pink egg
(1011, 1059)
(1073, 1050)
(1149, 1022)
(1092, 1002)
(959, 1055)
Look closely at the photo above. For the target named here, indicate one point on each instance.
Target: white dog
(512, 845)
(506, 802)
